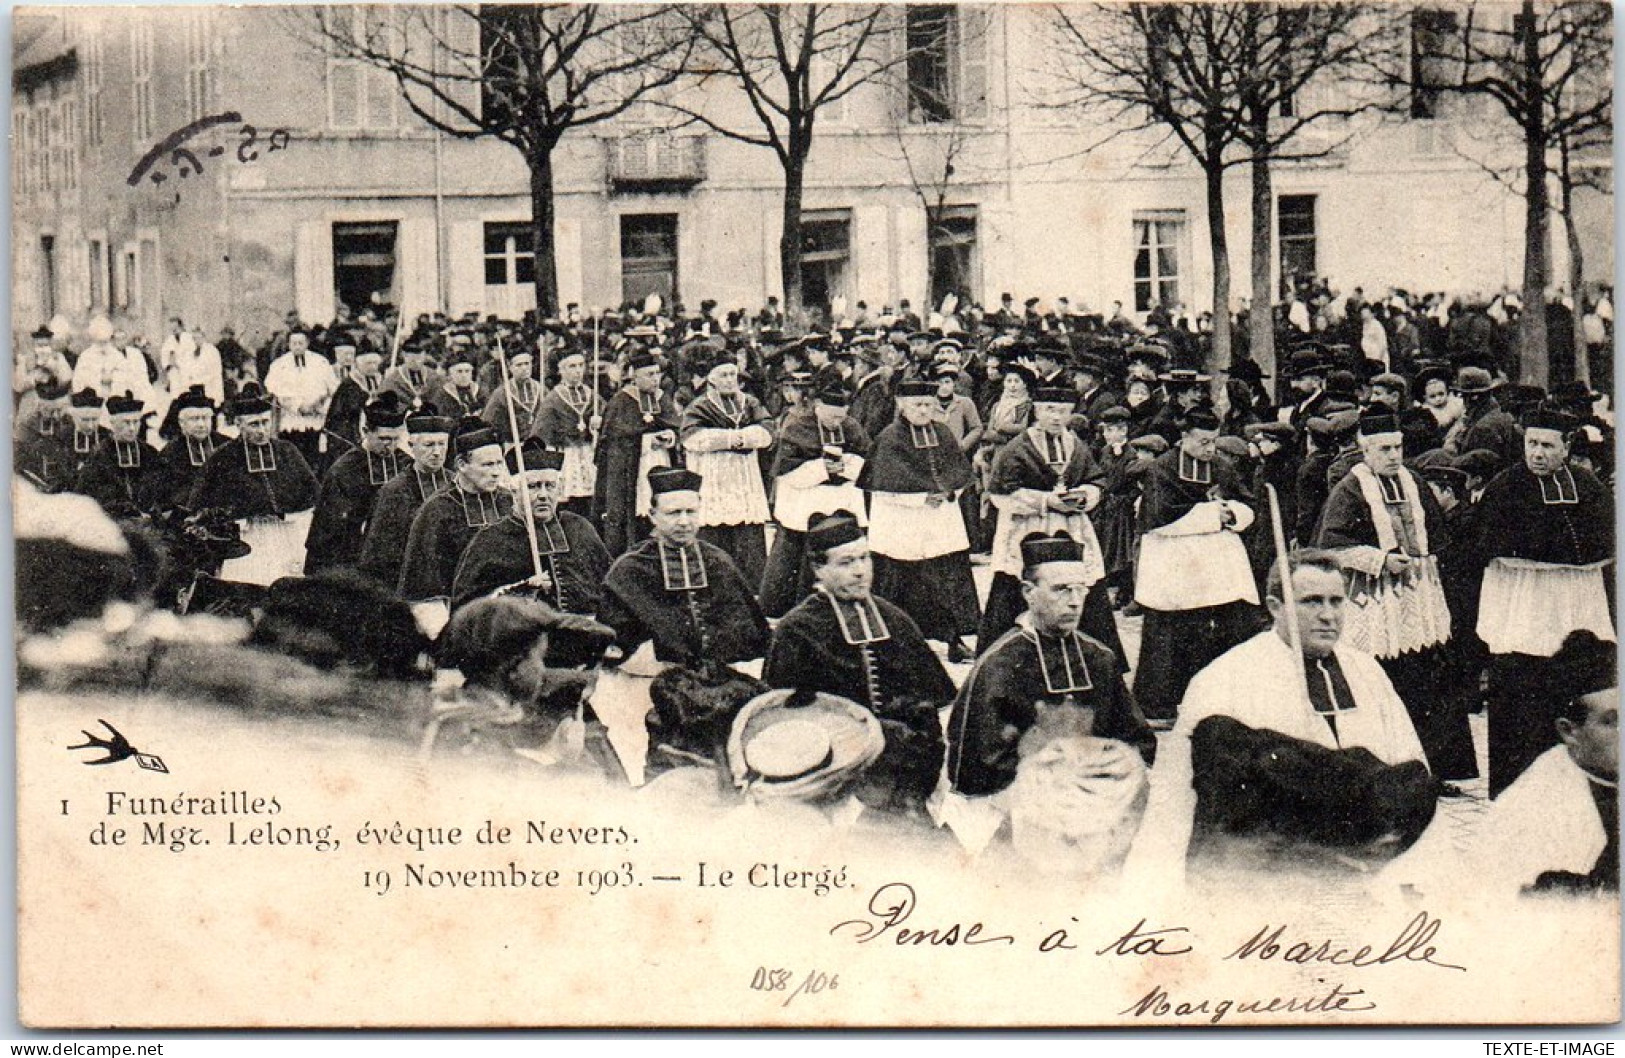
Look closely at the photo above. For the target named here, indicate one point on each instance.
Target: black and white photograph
(815, 515)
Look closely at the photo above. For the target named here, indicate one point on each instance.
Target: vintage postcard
(820, 515)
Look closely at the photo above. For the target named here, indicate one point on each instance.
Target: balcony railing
(657, 162)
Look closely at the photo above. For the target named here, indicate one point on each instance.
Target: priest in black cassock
(177, 468)
(844, 640)
(448, 520)
(1044, 680)
(355, 389)
(120, 475)
(428, 437)
(639, 434)
(815, 468)
(1046, 480)
(1194, 580)
(1545, 542)
(675, 602)
(267, 486)
(43, 452)
(916, 531)
(571, 557)
(567, 422)
(339, 525)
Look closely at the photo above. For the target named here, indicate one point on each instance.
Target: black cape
(397, 503)
(500, 555)
(439, 536)
(226, 483)
(719, 623)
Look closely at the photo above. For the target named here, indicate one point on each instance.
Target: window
(946, 63)
(1434, 50)
(510, 258)
(65, 149)
(649, 256)
(359, 94)
(499, 25)
(124, 280)
(141, 103)
(47, 249)
(1159, 240)
(95, 60)
(364, 263)
(953, 254)
(98, 274)
(1295, 229)
(826, 253)
(197, 64)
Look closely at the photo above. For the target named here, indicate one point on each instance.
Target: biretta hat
(673, 479)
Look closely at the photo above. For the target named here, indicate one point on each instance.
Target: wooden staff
(1288, 596)
(400, 337)
(519, 455)
(592, 379)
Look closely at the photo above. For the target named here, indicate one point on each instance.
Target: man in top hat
(383, 546)
(571, 557)
(264, 483)
(358, 386)
(844, 640)
(723, 430)
(1041, 678)
(914, 475)
(459, 394)
(522, 391)
(874, 395)
(448, 520)
(639, 434)
(1194, 581)
(179, 465)
(815, 468)
(1384, 525)
(1545, 542)
(1484, 423)
(119, 475)
(1044, 481)
(673, 600)
(1347, 702)
(351, 485)
(1091, 374)
(568, 421)
(1306, 374)
(302, 383)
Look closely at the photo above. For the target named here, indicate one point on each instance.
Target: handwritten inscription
(185, 161)
(1410, 946)
(778, 980)
(892, 905)
(1159, 1003)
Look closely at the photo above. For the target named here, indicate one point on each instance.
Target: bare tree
(523, 74)
(1217, 79)
(1549, 69)
(789, 62)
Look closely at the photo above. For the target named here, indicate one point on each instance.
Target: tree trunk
(1219, 247)
(1261, 314)
(541, 230)
(1577, 273)
(1533, 364)
(795, 171)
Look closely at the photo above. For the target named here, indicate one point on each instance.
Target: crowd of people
(714, 552)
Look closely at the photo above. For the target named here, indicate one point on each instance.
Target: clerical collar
(382, 466)
(732, 406)
(299, 361)
(1061, 659)
(413, 379)
(682, 568)
(1196, 471)
(1393, 490)
(1051, 446)
(860, 619)
(550, 538)
(436, 480)
(523, 387)
(923, 436)
(1329, 692)
(83, 443)
(486, 507)
(832, 435)
(1558, 487)
(261, 458)
(575, 396)
(47, 425)
(128, 454)
(368, 383)
(198, 450)
(648, 404)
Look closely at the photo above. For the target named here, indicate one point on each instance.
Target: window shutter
(975, 27)
(313, 271)
(419, 266)
(344, 95)
(466, 250)
(381, 91)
